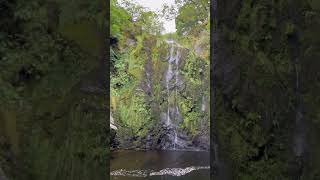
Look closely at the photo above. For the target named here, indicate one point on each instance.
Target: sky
(155, 5)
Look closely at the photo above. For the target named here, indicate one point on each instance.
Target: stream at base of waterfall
(160, 165)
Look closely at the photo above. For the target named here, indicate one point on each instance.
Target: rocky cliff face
(173, 83)
(177, 95)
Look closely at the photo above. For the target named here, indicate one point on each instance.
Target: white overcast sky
(156, 5)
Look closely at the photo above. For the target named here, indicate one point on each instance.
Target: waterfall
(176, 97)
(168, 78)
(299, 134)
(203, 104)
(299, 139)
(168, 116)
(173, 71)
(175, 140)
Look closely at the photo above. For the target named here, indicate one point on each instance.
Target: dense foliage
(266, 77)
(267, 106)
(51, 126)
(143, 50)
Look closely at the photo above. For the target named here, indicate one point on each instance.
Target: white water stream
(173, 71)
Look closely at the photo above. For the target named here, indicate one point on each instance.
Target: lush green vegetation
(51, 126)
(267, 51)
(52, 98)
(140, 48)
(266, 78)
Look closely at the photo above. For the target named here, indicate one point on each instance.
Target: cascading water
(203, 104)
(175, 140)
(173, 71)
(168, 78)
(299, 134)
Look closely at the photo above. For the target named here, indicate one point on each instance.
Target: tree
(119, 19)
(187, 13)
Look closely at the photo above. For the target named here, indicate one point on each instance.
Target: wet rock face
(167, 88)
(201, 142)
(172, 84)
(113, 141)
(164, 139)
(169, 135)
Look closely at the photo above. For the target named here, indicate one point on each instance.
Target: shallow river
(160, 165)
